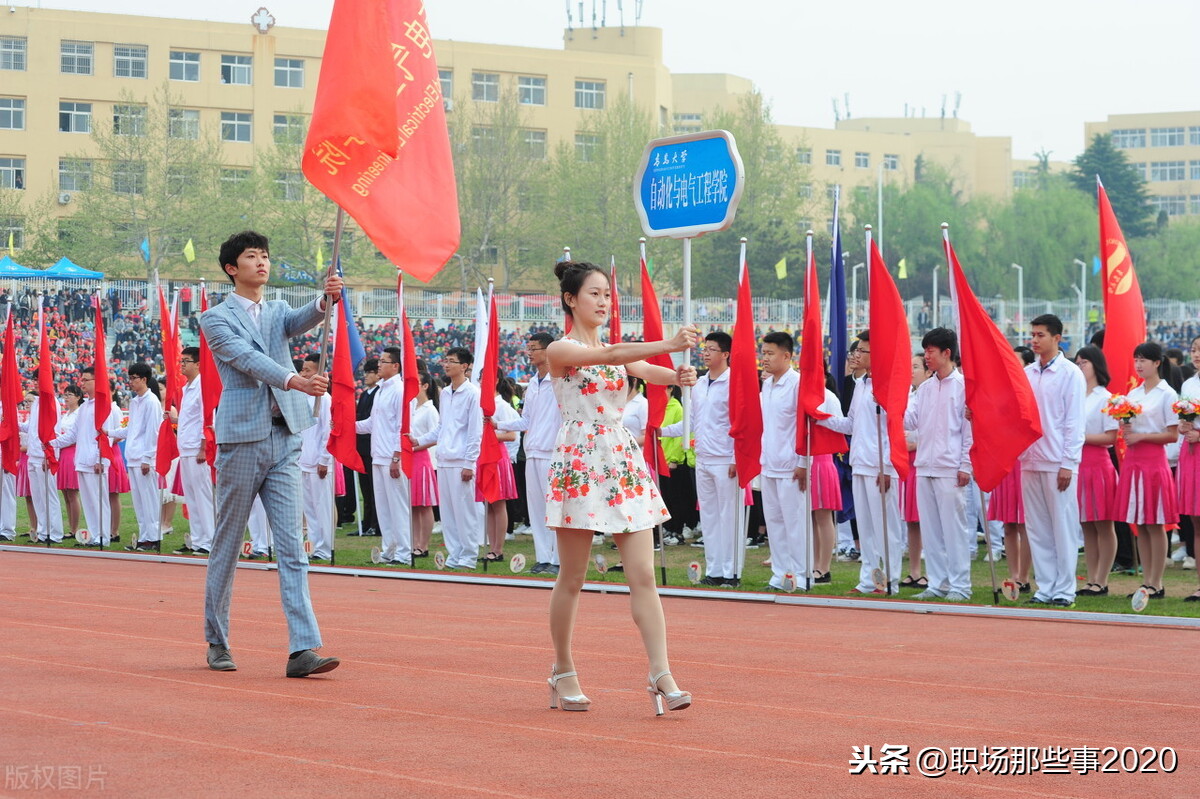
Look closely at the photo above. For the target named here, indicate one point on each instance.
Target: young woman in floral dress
(599, 482)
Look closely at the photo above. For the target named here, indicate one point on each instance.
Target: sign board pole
(687, 354)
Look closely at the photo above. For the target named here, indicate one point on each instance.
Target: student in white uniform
(424, 491)
(782, 468)
(937, 413)
(43, 486)
(316, 471)
(194, 471)
(1050, 465)
(89, 463)
(392, 488)
(141, 449)
(458, 435)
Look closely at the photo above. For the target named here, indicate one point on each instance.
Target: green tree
(1168, 263)
(1123, 182)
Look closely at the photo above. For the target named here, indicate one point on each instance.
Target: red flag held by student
(343, 408)
(10, 398)
(168, 443)
(998, 392)
(745, 405)
(614, 319)
(103, 392)
(1124, 311)
(377, 142)
(490, 449)
(210, 393)
(412, 383)
(656, 396)
(812, 374)
(891, 361)
(47, 401)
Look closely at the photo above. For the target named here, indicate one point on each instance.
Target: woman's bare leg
(574, 553)
(637, 553)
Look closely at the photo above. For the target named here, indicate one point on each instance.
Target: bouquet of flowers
(1120, 408)
(1186, 408)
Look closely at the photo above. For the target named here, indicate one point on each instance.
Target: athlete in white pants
(194, 471)
(783, 501)
(316, 472)
(141, 446)
(8, 506)
(43, 487)
(92, 468)
(393, 496)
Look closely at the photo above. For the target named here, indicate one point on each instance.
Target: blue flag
(357, 353)
(144, 247)
(837, 303)
(1095, 264)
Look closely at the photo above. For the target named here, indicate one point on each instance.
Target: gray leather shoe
(219, 658)
(309, 662)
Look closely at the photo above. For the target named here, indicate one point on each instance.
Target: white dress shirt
(635, 417)
(540, 419)
(422, 419)
(1095, 420)
(29, 432)
(190, 427)
(938, 413)
(779, 399)
(1156, 415)
(1060, 389)
(860, 424)
(141, 434)
(710, 421)
(314, 439)
(507, 414)
(460, 427)
(383, 424)
(83, 435)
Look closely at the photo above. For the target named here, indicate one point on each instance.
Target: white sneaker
(1179, 554)
(929, 593)
(597, 540)
(955, 596)
(437, 528)
(1189, 563)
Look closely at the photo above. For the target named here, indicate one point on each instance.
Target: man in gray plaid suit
(258, 423)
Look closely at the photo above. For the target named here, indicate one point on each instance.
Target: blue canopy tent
(11, 269)
(66, 270)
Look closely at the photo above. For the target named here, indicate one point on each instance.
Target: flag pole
(46, 475)
(887, 560)
(337, 247)
(808, 509)
(687, 354)
(333, 506)
(739, 542)
(100, 478)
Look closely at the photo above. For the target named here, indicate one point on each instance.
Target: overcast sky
(1035, 70)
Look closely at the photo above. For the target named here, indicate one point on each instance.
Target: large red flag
(210, 392)
(1124, 312)
(656, 396)
(412, 382)
(891, 360)
(490, 449)
(614, 320)
(812, 374)
(168, 443)
(103, 391)
(999, 396)
(47, 401)
(377, 143)
(745, 407)
(343, 409)
(10, 398)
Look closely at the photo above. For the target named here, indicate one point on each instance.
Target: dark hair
(543, 338)
(1095, 356)
(571, 276)
(427, 379)
(1153, 351)
(633, 382)
(506, 388)
(865, 336)
(88, 370)
(370, 365)
(781, 340)
(1175, 354)
(1048, 321)
(462, 353)
(722, 339)
(237, 244)
(144, 371)
(74, 390)
(395, 353)
(313, 357)
(1097, 339)
(1027, 355)
(942, 339)
(192, 352)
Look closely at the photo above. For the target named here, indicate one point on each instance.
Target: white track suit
(718, 493)
(141, 447)
(458, 435)
(43, 487)
(318, 491)
(1052, 516)
(93, 486)
(196, 477)
(540, 421)
(393, 495)
(783, 501)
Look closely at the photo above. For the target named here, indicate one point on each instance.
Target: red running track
(442, 693)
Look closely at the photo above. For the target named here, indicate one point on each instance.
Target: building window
(75, 117)
(289, 73)
(12, 173)
(489, 255)
(235, 126)
(687, 123)
(183, 123)
(446, 79)
(179, 180)
(12, 113)
(289, 186)
(129, 60)
(485, 87)
(531, 90)
(483, 140)
(891, 162)
(185, 66)
(587, 146)
(831, 191)
(1194, 166)
(1022, 178)
(74, 174)
(289, 129)
(1140, 168)
(129, 177)
(1167, 137)
(12, 53)
(129, 120)
(862, 160)
(803, 155)
(535, 144)
(232, 179)
(236, 70)
(833, 158)
(1167, 170)
(1195, 204)
(14, 227)
(1129, 138)
(589, 94)
(805, 191)
(1174, 206)
(1193, 135)
(75, 58)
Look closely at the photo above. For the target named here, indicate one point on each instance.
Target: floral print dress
(598, 476)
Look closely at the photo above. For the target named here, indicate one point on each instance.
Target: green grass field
(354, 551)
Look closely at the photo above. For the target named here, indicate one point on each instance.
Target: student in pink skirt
(1188, 472)
(496, 518)
(908, 492)
(68, 478)
(1097, 487)
(1146, 494)
(424, 490)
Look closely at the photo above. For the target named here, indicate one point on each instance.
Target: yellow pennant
(903, 270)
(189, 251)
(781, 268)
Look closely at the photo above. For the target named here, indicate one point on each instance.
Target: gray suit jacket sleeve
(230, 345)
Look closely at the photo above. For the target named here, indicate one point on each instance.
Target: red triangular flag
(490, 448)
(343, 409)
(210, 393)
(891, 361)
(10, 398)
(47, 402)
(168, 442)
(657, 397)
(812, 374)
(412, 387)
(1124, 311)
(614, 319)
(103, 392)
(745, 407)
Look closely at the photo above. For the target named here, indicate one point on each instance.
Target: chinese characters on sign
(689, 185)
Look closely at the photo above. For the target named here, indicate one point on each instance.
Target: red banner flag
(168, 443)
(1124, 312)
(343, 408)
(377, 143)
(103, 391)
(745, 407)
(47, 401)
(614, 320)
(10, 398)
(412, 384)
(996, 385)
(812, 374)
(490, 449)
(210, 393)
(891, 360)
(656, 396)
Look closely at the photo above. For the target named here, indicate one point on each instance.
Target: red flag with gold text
(1124, 311)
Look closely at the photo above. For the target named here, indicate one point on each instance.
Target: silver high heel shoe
(577, 702)
(675, 700)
